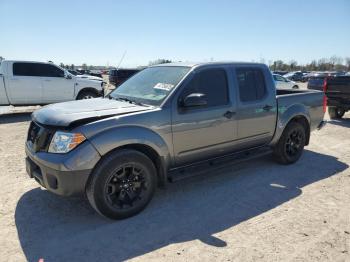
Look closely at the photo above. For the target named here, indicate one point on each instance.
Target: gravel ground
(253, 211)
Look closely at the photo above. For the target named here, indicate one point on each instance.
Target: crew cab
(37, 83)
(162, 122)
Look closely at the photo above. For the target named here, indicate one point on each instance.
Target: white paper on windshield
(163, 86)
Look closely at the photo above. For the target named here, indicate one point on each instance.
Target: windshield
(152, 85)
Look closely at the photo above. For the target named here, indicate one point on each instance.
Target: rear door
(257, 112)
(207, 131)
(56, 88)
(23, 83)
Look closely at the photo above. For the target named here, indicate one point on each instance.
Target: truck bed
(308, 102)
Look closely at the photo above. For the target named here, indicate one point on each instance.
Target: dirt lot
(255, 211)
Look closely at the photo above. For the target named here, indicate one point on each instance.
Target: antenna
(121, 60)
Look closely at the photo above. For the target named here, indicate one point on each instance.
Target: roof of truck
(193, 64)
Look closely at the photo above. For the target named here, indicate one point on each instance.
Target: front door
(56, 88)
(205, 131)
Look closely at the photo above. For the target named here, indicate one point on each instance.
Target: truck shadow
(67, 229)
(344, 122)
(15, 118)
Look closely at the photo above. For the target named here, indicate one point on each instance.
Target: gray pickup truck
(166, 118)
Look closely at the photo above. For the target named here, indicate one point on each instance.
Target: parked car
(77, 74)
(316, 82)
(164, 120)
(96, 73)
(295, 76)
(310, 75)
(35, 83)
(280, 72)
(118, 76)
(83, 71)
(337, 90)
(282, 82)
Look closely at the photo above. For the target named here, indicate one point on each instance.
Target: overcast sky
(99, 32)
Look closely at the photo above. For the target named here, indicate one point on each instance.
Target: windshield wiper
(127, 100)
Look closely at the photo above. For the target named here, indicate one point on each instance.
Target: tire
(122, 185)
(295, 87)
(291, 144)
(336, 112)
(86, 95)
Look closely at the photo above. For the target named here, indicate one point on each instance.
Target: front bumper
(62, 174)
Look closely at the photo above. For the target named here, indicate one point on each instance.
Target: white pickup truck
(38, 83)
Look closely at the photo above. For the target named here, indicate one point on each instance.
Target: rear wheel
(336, 112)
(291, 144)
(122, 185)
(296, 87)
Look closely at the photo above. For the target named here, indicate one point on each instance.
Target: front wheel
(122, 184)
(86, 95)
(291, 144)
(296, 87)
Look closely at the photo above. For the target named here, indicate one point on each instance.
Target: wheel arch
(87, 89)
(139, 139)
(297, 113)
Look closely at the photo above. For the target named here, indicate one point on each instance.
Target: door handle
(229, 114)
(267, 108)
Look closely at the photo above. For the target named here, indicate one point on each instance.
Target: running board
(199, 168)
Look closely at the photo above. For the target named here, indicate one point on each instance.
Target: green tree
(159, 61)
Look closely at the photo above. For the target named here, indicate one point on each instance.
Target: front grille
(39, 137)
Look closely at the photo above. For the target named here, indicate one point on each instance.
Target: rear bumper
(62, 174)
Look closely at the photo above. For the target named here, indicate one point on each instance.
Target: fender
(127, 135)
(285, 116)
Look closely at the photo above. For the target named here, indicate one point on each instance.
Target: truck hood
(89, 77)
(83, 111)
(88, 82)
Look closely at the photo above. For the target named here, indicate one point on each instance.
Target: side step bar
(199, 168)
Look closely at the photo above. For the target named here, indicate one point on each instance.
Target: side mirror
(194, 100)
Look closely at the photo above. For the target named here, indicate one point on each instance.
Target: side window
(251, 84)
(212, 83)
(50, 71)
(25, 69)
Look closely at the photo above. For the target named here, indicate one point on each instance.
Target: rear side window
(251, 84)
(25, 69)
(213, 84)
(37, 69)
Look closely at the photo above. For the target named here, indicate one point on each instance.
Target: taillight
(325, 86)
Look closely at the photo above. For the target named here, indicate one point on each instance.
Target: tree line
(333, 63)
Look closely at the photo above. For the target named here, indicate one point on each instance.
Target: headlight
(63, 142)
